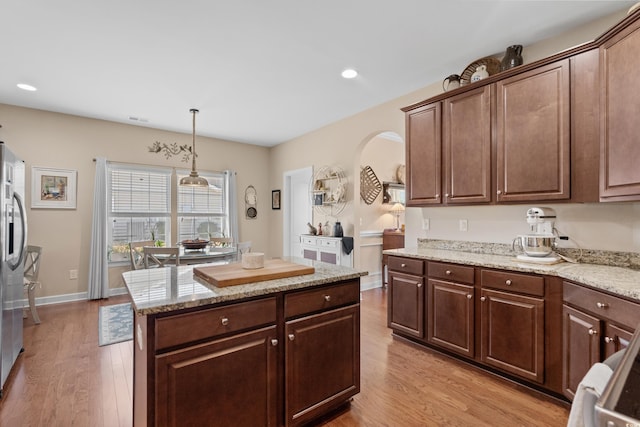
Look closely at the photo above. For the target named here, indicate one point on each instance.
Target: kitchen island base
(285, 359)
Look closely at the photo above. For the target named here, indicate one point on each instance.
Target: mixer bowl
(535, 245)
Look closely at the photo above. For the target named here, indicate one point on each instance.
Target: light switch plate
(425, 223)
(464, 226)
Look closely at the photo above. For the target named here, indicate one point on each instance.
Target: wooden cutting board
(234, 274)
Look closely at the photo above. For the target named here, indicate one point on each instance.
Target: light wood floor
(64, 379)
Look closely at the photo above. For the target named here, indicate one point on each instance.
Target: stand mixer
(539, 244)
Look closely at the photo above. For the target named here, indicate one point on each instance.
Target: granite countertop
(166, 289)
(617, 280)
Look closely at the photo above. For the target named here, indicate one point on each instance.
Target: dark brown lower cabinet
(451, 316)
(405, 303)
(230, 381)
(581, 345)
(322, 363)
(512, 333)
(595, 326)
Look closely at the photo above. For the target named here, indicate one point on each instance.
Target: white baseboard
(59, 299)
(371, 281)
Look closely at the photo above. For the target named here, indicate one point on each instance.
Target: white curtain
(98, 260)
(232, 191)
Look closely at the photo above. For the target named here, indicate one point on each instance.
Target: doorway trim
(287, 204)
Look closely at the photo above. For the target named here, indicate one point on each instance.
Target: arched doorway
(384, 152)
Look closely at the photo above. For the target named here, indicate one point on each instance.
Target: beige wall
(599, 226)
(68, 142)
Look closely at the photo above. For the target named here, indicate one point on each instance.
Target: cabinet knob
(437, 196)
(419, 285)
(403, 265)
(593, 331)
(602, 305)
(483, 299)
(508, 282)
(448, 272)
(224, 321)
(609, 340)
(499, 192)
(446, 195)
(292, 337)
(327, 298)
(469, 296)
(274, 342)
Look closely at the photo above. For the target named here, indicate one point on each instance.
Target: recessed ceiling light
(25, 86)
(349, 73)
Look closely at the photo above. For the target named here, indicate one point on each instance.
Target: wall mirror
(392, 192)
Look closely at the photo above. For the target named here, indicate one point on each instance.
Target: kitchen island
(277, 352)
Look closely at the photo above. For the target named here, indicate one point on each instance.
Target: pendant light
(193, 180)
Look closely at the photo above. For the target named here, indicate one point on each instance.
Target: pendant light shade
(193, 180)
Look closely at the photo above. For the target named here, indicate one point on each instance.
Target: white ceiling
(260, 71)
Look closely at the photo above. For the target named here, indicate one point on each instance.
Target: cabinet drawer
(306, 240)
(521, 283)
(328, 243)
(309, 301)
(451, 272)
(198, 325)
(618, 310)
(406, 265)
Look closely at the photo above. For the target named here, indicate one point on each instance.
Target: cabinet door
(451, 316)
(512, 333)
(322, 363)
(423, 155)
(620, 107)
(466, 140)
(310, 253)
(405, 304)
(615, 339)
(533, 135)
(581, 347)
(227, 382)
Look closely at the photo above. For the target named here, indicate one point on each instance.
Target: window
(139, 207)
(203, 212)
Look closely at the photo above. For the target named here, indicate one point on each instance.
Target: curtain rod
(159, 166)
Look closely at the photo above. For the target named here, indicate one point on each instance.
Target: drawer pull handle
(508, 282)
(469, 296)
(292, 337)
(274, 342)
(403, 265)
(602, 305)
(224, 321)
(448, 272)
(483, 299)
(327, 298)
(593, 331)
(609, 340)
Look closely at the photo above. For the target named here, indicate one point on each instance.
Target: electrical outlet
(425, 223)
(464, 226)
(73, 274)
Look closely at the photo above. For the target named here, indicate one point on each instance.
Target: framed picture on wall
(318, 199)
(53, 188)
(275, 199)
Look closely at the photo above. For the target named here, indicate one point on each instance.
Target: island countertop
(173, 288)
(617, 280)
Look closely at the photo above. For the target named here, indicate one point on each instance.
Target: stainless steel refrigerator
(13, 240)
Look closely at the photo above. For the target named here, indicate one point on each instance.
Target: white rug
(115, 323)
